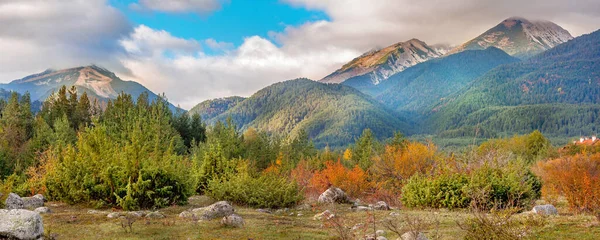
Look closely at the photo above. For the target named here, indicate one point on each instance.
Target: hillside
(560, 86)
(212, 108)
(332, 115)
(98, 82)
(519, 37)
(419, 87)
(377, 65)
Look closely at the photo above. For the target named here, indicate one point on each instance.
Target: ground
(74, 222)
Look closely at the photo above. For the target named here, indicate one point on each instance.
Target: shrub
(501, 224)
(577, 178)
(400, 162)
(444, 191)
(353, 181)
(264, 191)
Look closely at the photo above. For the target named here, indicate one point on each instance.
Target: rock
(324, 215)
(32, 202)
(369, 237)
(42, 210)
(216, 210)
(395, 214)
(547, 209)
(413, 236)
(381, 205)
(333, 195)
(92, 211)
(113, 215)
(187, 214)
(156, 214)
(40, 196)
(13, 201)
(379, 232)
(137, 214)
(233, 220)
(267, 211)
(362, 208)
(299, 214)
(282, 211)
(381, 238)
(20, 224)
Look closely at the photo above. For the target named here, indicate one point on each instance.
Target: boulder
(233, 220)
(333, 195)
(42, 210)
(413, 236)
(40, 196)
(324, 215)
(20, 224)
(13, 201)
(156, 214)
(381, 205)
(547, 209)
(32, 202)
(216, 210)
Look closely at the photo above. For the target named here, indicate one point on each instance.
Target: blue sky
(234, 21)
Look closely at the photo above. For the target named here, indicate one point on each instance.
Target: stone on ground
(156, 214)
(326, 215)
(233, 220)
(381, 205)
(13, 201)
(42, 210)
(333, 195)
(20, 224)
(216, 210)
(547, 209)
(413, 236)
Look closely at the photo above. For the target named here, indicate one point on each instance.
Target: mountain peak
(519, 37)
(384, 62)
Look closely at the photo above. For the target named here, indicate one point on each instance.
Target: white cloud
(145, 41)
(179, 6)
(218, 46)
(39, 34)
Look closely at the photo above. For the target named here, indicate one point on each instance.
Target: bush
(493, 188)
(265, 191)
(444, 191)
(353, 181)
(577, 178)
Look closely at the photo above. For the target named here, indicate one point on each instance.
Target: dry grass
(73, 222)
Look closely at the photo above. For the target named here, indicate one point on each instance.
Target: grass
(74, 222)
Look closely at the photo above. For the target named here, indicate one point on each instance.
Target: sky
(194, 50)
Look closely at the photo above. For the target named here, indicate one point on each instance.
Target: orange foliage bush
(398, 164)
(353, 181)
(302, 175)
(577, 178)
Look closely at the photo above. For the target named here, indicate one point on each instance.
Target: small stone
(137, 214)
(155, 215)
(299, 214)
(324, 215)
(395, 214)
(381, 238)
(547, 209)
(381, 205)
(362, 208)
(42, 210)
(413, 236)
(379, 232)
(267, 211)
(233, 220)
(113, 215)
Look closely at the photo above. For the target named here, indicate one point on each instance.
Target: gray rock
(324, 215)
(92, 211)
(42, 210)
(267, 211)
(369, 237)
(113, 215)
(381, 238)
(413, 236)
(137, 214)
(187, 214)
(299, 214)
(362, 208)
(379, 232)
(381, 205)
(20, 224)
(547, 209)
(333, 195)
(233, 220)
(40, 196)
(216, 210)
(13, 201)
(156, 214)
(395, 214)
(32, 202)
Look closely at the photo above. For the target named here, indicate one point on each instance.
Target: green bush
(444, 191)
(265, 191)
(489, 187)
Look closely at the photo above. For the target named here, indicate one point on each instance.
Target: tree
(364, 149)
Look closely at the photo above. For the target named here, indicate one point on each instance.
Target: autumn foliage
(399, 163)
(575, 177)
(353, 181)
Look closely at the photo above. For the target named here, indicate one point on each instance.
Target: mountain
(96, 81)
(519, 37)
(377, 65)
(417, 88)
(212, 108)
(331, 114)
(557, 92)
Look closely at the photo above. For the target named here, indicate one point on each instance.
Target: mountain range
(518, 76)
